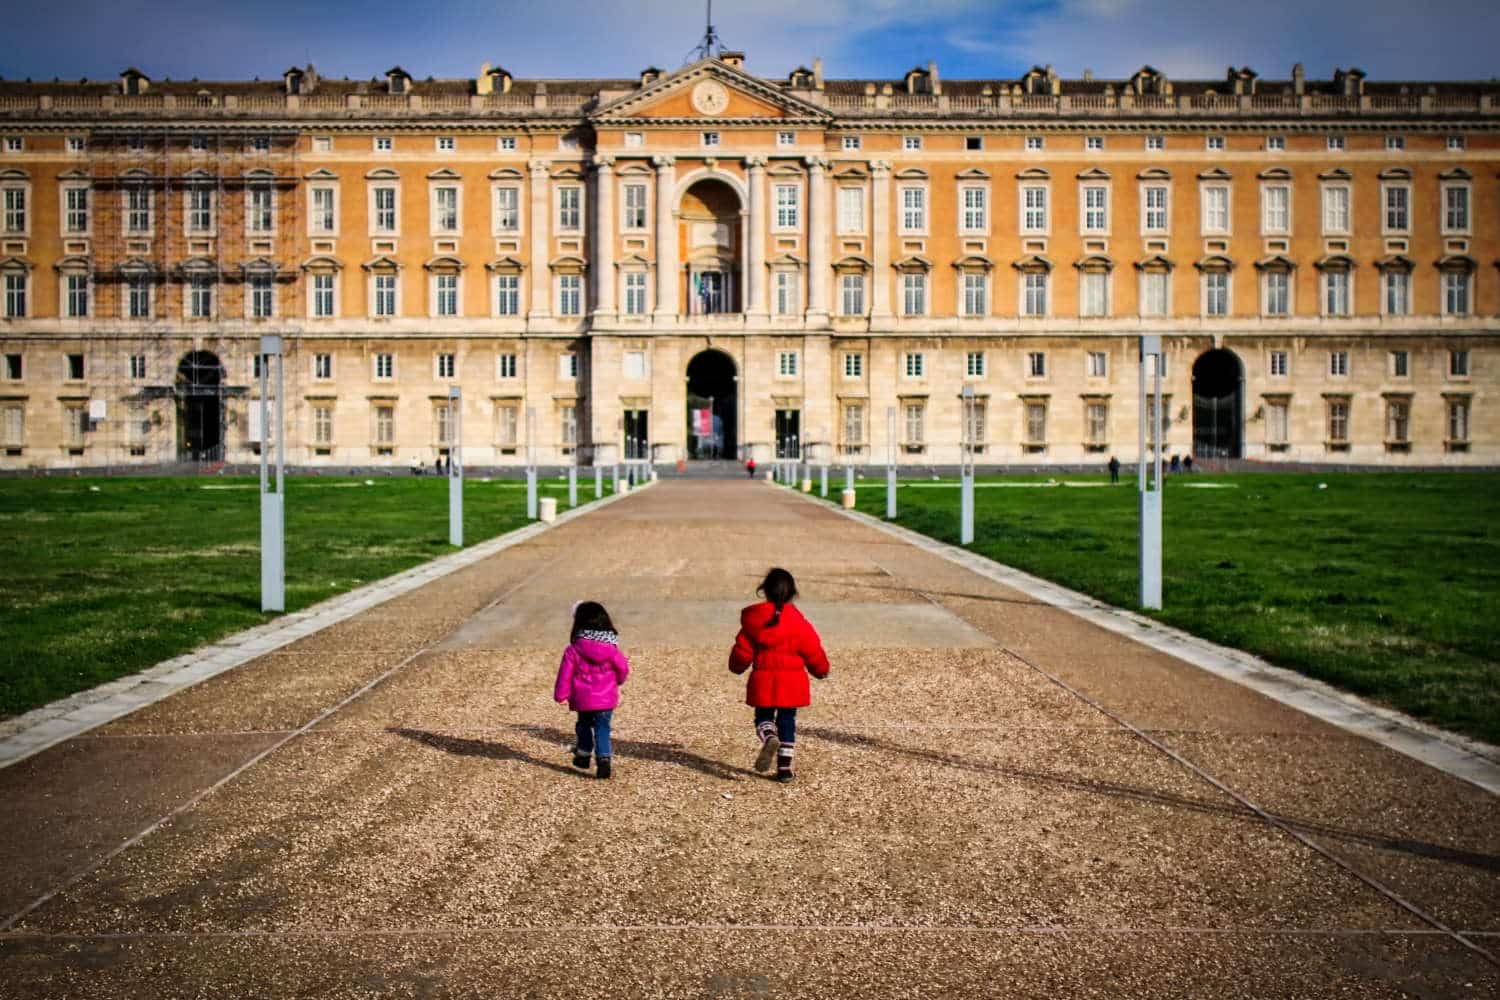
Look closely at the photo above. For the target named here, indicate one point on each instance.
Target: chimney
(484, 83)
(1088, 76)
(934, 82)
(818, 73)
(1299, 80)
(732, 59)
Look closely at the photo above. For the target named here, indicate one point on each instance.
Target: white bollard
(770, 476)
(848, 499)
(806, 485)
(548, 507)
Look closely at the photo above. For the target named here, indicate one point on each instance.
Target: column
(666, 239)
(540, 306)
(604, 237)
(756, 279)
(880, 252)
(817, 241)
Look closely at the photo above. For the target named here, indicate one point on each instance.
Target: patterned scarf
(600, 635)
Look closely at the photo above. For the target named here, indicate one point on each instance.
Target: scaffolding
(172, 235)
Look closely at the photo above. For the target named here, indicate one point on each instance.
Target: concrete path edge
(32, 732)
(1467, 759)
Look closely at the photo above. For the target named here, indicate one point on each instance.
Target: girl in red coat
(780, 648)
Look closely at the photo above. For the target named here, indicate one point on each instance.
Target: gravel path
(994, 799)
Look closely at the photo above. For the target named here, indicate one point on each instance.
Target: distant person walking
(589, 679)
(780, 648)
(1114, 469)
(1187, 463)
(750, 466)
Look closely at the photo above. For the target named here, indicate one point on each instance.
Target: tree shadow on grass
(1416, 848)
(489, 749)
(665, 753)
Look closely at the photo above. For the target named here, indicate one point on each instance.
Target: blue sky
(1390, 39)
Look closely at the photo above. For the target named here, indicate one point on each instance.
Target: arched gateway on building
(712, 406)
(712, 234)
(199, 389)
(1218, 405)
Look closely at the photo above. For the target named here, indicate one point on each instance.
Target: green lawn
(106, 576)
(1384, 584)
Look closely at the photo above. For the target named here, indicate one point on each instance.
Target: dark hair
(779, 588)
(590, 616)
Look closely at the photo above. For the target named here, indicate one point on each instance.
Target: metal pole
(531, 463)
(890, 467)
(966, 470)
(455, 468)
(272, 500)
(824, 483)
(1150, 492)
(598, 481)
(617, 477)
(572, 486)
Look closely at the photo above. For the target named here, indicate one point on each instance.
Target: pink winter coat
(590, 675)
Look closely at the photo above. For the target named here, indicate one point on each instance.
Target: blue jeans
(786, 723)
(593, 733)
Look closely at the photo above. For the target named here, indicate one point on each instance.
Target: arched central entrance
(1218, 405)
(200, 408)
(713, 238)
(712, 405)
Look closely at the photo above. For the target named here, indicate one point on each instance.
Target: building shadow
(1090, 786)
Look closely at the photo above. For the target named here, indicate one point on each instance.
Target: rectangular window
(914, 294)
(78, 295)
(446, 366)
(1278, 364)
(508, 294)
(445, 209)
(13, 367)
(261, 300)
(911, 143)
(913, 210)
(974, 364)
(915, 432)
(1456, 293)
(635, 140)
(1397, 208)
(1098, 364)
(75, 423)
(785, 139)
(1216, 293)
(137, 367)
(1093, 293)
(1338, 420)
(446, 144)
(1336, 209)
(322, 144)
(506, 144)
(1455, 144)
(1335, 143)
(1154, 293)
(200, 211)
(635, 293)
(1035, 143)
(1276, 422)
(1278, 285)
(77, 144)
(975, 293)
(1036, 423)
(1034, 295)
(1036, 364)
(1400, 364)
(1338, 363)
(710, 138)
(851, 142)
(1096, 422)
(385, 425)
(851, 210)
(1275, 208)
(1395, 143)
(1456, 208)
(1154, 208)
(507, 425)
(1034, 209)
(1216, 209)
(973, 143)
(786, 363)
(854, 365)
(77, 209)
(569, 208)
(567, 366)
(786, 293)
(635, 206)
(507, 209)
(446, 288)
(385, 295)
(570, 295)
(260, 217)
(442, 418)
(385, 366)
(138, 298)
(1214, 143)
(1336, 293)
(916, 364)
(1095, 209)
(1275, 143)
(854, 427)
(260, 144)
(323, 366)
(975, 423)
(385, 209)
(15, 295)
(1458, 364)
(15, 426)
(976, 209)
(853, 286)
(1155, 143)
(201, 298)
(569, 419)
(1093, 143)
(1397, 287)
(137, 210)
(788, 206)
(1458, 420)
(322, 210)
(322, 295)
(15, 210)
(75, 367)
(505, 366)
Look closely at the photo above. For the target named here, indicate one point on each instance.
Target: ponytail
(779, 588)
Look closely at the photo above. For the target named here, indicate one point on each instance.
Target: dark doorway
(712, 388)
(200, 408)
(789, 434)
(1218, 405)
(637, 435)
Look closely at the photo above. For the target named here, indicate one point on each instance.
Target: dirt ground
(961, 823)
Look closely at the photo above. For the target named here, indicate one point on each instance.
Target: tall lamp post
(531, 463)
(966, 470)
(1150, 485)
(455, 467)
(890, 463)
(272, 492)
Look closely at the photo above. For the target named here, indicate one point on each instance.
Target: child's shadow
(666, 753)
(488, 749)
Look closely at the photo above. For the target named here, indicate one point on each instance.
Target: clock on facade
(710, 97)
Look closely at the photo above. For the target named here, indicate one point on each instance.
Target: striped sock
(765, 730)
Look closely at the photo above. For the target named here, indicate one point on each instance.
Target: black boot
(784, 768)
(604, 769)
(580, 760)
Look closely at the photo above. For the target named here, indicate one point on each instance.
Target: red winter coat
(782, 656)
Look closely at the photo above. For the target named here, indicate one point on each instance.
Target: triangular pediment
(708, 91)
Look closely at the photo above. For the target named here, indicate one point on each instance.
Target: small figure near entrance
(588, 680)
(1176, 464)
(1187, 463)
(416, 466)
(750, 466)
(1114, 469)
(780, 648)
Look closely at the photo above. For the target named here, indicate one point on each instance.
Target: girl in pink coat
(589, 679)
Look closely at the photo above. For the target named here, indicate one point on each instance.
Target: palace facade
(710, 262)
